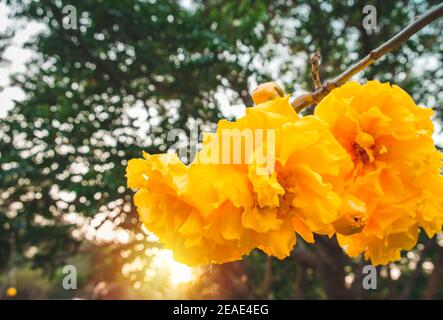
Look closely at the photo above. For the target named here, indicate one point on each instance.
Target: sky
(15, 57)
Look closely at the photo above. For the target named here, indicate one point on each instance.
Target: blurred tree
(97, 96)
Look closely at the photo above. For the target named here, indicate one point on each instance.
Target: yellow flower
(266, 92)
(216, 211)
(294, 195)
(389, 230)
(363, 167)
(178, 203)
(353, 216)
(396, 168)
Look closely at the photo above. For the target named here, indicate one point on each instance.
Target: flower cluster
(363, 167)
(396, 167)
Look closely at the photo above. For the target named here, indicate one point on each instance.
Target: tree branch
(416, 25)
(267, 278)
(328, 259)
(303, 256)
(415, 275)
(358, 292)
(300, 282)
(436, 277)
(315, 69)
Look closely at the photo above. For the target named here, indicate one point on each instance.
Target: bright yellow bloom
(178, 203)
(215, 212)
(266, 92)
(395, 181)
(296, 194)
(363, 167)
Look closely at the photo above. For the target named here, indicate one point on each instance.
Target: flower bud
(267, 91)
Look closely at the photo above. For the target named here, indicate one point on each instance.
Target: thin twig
(315, 69)
(416, 25)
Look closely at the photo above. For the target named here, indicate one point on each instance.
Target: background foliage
(99, 95)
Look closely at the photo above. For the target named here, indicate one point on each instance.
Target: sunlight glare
(180, 273)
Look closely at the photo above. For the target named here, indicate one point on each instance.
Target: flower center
(289, 182)
(360, 153)
(285, 204)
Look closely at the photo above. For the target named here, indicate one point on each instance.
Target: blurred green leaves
(99, 95)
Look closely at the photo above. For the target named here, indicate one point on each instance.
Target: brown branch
(436, 278)
(328, 260)
(357, 290)
(300, 282)
(305, 257)
(415, 275)
(392, 288)
(332, 269)
(315, 69)
(267, 278)
(416, 25)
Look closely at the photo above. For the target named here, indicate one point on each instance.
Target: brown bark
(329, 261)
(415, 275)
(435, 279)
(300, 282)
(267, 279)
